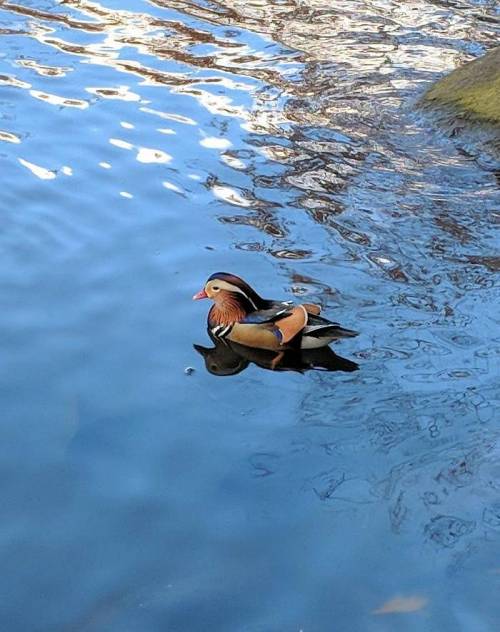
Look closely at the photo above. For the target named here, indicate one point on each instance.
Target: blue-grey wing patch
(261, 316)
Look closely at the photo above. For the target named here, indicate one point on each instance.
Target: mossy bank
(466, 103)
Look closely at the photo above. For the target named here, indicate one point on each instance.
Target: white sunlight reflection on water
(38, 171)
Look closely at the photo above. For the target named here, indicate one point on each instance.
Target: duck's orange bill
(200, 294)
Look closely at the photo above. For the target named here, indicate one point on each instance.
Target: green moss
(473, 89)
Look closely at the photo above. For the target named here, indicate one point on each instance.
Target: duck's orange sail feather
(315, 310)
(291, 325)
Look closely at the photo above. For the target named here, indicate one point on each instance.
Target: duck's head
(223, 286)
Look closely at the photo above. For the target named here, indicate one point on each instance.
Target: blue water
(145, 145)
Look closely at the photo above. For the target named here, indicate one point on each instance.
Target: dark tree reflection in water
(146, 144)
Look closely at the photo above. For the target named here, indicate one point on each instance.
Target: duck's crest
(247, 290)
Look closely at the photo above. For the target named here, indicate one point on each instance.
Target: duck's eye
(216, 288)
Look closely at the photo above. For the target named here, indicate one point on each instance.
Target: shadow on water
(229, 358)
(144, 144)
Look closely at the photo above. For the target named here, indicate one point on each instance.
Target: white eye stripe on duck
(229, 287)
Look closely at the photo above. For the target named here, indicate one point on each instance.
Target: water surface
(145, 145)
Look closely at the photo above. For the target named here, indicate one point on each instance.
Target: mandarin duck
(230, 358)
(240, 315)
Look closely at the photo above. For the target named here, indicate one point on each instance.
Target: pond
(147, 144)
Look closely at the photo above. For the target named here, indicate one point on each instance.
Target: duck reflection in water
(230, 358)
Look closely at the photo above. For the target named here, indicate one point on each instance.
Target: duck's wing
(292, 324)
(274, 312)
(288, 320)
(317, 327)
(273, 327)
(311, 308)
